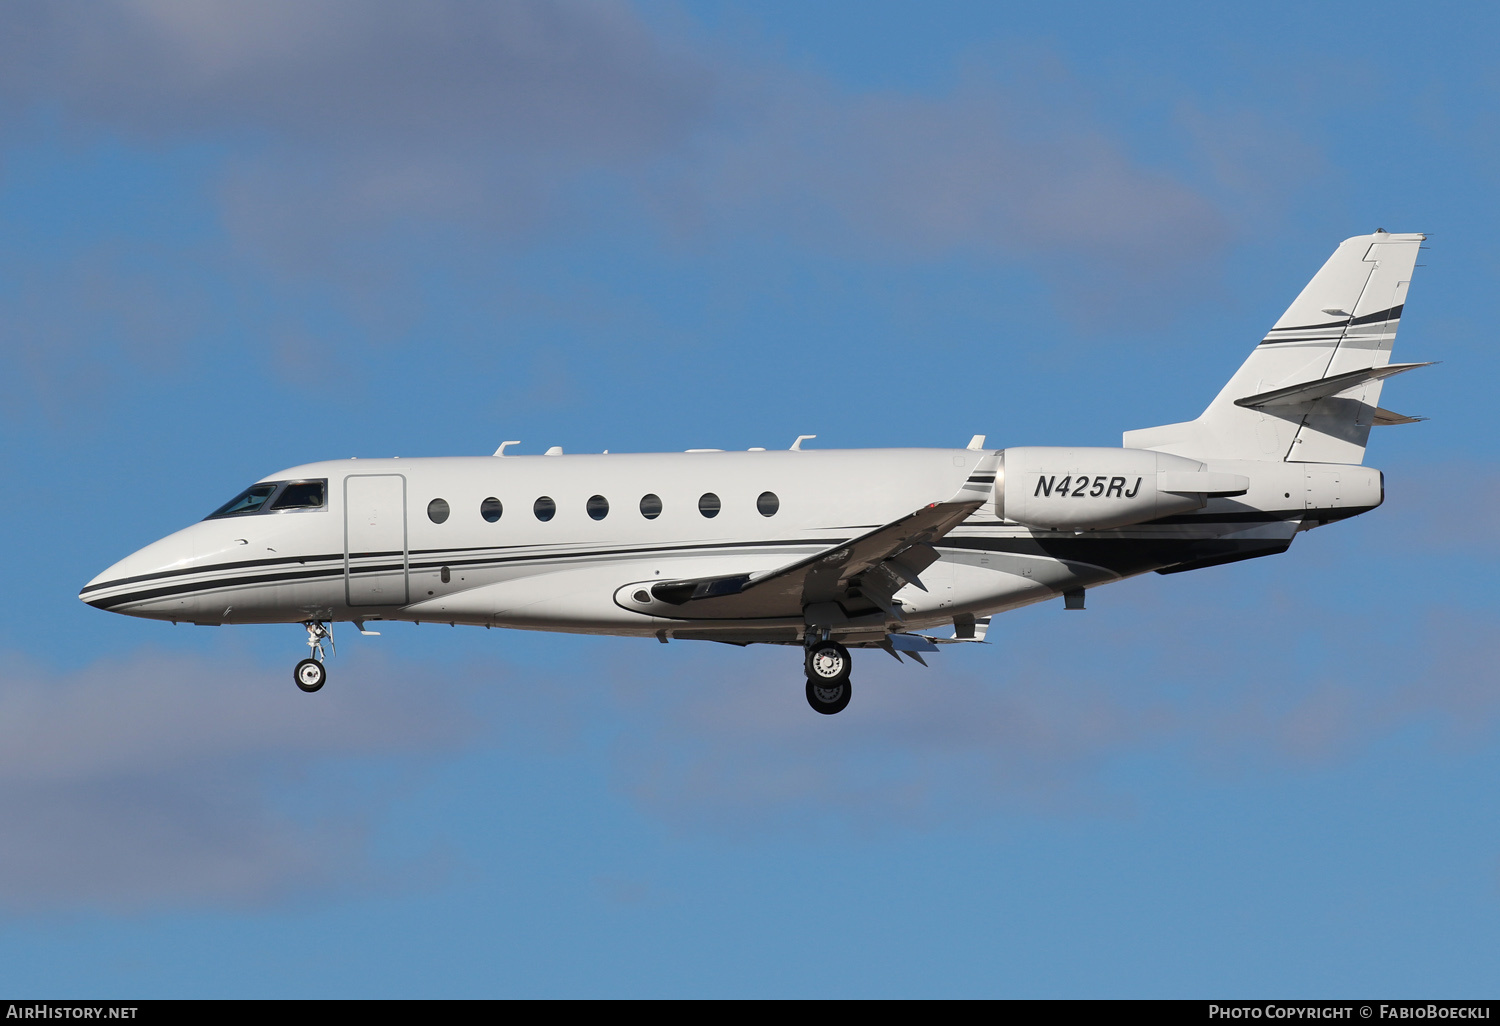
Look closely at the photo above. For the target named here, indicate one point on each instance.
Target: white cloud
(499, 118)
(460, 76)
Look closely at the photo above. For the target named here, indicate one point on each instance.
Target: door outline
(405, 596)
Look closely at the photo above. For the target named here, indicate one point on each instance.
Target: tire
(310, 675)
(828, 698)
(827, 662)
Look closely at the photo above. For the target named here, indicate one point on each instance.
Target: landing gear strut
(827, 664)
(310, 674)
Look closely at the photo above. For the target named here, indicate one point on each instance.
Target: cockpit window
(288, 497)
(300, 495)
(248, 501)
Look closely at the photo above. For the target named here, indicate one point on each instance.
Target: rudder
(1310, 391)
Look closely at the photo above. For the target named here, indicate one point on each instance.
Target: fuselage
(563, 542)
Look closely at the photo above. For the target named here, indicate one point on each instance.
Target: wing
(861, 574)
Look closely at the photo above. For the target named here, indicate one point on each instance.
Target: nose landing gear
(827, 665)
(310, 674)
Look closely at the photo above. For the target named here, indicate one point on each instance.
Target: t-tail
(1310, 391)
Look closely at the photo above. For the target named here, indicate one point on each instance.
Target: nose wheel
(828, 687)
(310, 674)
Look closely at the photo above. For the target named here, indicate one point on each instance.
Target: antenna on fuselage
(797, 445)
(976, 443)
(501, 451)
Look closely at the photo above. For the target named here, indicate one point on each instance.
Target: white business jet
(897, 549)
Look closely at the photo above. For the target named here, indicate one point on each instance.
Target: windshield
(248, 501)
(289, 495)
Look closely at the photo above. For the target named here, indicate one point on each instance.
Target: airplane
(903, 550)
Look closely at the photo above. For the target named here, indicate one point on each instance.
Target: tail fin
(1310, 392)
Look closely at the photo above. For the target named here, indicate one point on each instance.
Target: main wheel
(309, 675)
(828, 663)
(828, 698)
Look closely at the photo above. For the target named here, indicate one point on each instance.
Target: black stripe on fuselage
(241, 564)
(1127, 556)
(339, 559)
(1254, 516)
(1096, 549)
(337, 572)
(216, 585)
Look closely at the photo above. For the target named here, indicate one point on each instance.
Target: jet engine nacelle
(1088, 489)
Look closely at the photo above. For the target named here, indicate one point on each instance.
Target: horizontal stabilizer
(1322, 388)
(1384, 418)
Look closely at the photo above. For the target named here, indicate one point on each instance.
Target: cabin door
(375, 539)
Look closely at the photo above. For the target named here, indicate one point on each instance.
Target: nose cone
(147, 583)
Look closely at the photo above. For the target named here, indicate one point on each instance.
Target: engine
(1089, 489)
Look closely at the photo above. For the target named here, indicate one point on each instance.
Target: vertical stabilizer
(1343, 323)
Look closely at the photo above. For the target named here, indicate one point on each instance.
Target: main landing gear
(827, 664)
(310, 674)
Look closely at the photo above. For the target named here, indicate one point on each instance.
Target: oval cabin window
(708, 504)
(544, 508)
(491, 509)
(768, 504)
(650, 506)
(598, 507)
(437, 510)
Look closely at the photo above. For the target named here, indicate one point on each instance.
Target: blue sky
(234, 239)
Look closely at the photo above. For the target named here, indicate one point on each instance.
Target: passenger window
(301, 495)
(491, 509)
(544, 508)
(437, 510)
(708, 504)
(598, 507)
(650, 506)
(768, 504)
(248, 501)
